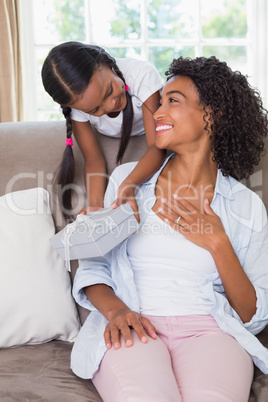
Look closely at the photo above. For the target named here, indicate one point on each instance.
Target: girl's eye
(171, 100)
(94, 111)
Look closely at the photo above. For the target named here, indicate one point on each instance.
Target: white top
(244, 218)
(143, 80)
(168, 270)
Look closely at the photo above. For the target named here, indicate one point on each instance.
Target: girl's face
(105, 94)
(180, 118)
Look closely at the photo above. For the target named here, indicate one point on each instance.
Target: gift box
(95, 233)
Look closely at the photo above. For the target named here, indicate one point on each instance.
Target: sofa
(38, 316)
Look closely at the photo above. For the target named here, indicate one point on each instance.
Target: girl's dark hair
(239, 119)
(66, 73)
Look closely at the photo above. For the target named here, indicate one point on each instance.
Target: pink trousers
(192, 360)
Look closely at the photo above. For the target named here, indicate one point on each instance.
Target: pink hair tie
(126, 87)
(69, 141)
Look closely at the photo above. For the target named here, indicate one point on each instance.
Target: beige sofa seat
(30, 155)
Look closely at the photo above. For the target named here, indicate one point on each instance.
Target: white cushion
(36, 305)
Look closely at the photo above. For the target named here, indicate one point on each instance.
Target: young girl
(118, 98)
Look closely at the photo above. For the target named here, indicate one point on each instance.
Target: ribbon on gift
(72, 227)
(68, 231)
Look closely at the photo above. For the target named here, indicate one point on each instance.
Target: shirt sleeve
(256, 268)
(143, 79)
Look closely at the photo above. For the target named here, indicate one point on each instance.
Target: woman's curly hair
(240, 121)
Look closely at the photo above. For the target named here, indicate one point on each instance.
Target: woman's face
(180, 118)
(105, 94)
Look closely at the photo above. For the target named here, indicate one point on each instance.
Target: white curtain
(11, 107)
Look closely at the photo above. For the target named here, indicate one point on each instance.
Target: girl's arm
(148, 164)
(153, 158)
(149, 108)
(120, 317)
(95, 165)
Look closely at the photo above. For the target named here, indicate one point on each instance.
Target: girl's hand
(203, 229)
(122, 322)
(126, 194)
(90, 208)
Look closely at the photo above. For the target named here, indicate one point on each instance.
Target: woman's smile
(180, 117)
(161, 127)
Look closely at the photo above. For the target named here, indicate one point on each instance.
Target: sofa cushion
(35, 290)
(42, 373)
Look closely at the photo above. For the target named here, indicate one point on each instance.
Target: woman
(180, 300)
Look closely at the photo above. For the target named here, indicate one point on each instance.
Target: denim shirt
(244, 218)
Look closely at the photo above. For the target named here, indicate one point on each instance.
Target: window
(154, 30)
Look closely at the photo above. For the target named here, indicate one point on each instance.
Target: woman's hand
(122, 322)
(205, 229)
(126, 194)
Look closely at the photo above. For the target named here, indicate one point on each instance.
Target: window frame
(257, 43)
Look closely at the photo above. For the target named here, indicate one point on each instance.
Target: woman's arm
(95, 165)
(120, 317)
(239, 291)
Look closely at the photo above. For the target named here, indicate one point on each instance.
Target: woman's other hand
(205, 228)
(122, 322)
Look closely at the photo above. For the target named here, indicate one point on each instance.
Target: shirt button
(245, 342)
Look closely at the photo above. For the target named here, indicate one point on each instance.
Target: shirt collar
(223, 186)
(223, 183)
